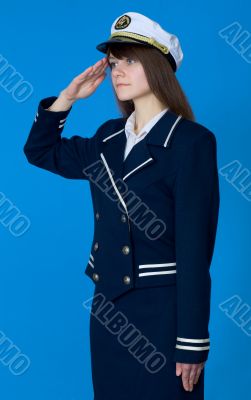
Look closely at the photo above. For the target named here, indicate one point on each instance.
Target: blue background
(42, 283)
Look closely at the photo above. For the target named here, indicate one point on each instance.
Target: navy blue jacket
(155, 213)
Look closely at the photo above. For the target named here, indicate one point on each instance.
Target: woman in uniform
(155, 191)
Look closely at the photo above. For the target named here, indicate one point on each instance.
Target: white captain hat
(135, 28)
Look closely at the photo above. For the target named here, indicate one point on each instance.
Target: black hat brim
(103, 47)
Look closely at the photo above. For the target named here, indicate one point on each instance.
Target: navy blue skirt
(132, 341)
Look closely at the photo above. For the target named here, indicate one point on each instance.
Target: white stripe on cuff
(178, 346)
(193, 340)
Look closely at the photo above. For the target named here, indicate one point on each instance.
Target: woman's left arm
(197, 202)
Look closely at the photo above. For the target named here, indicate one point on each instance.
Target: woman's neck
(145, 110)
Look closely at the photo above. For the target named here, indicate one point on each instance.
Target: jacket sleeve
(45, 148)
(196, 216)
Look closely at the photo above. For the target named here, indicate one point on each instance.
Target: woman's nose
(118, 70)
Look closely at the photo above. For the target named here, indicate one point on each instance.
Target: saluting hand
(84, 84)
(190, 374)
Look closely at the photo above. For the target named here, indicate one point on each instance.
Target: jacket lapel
(140, 157)
(113, 147)
(160, 134)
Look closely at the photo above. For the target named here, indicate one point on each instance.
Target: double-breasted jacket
(155, 213)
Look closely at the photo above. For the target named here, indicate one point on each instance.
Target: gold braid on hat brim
(141, 38)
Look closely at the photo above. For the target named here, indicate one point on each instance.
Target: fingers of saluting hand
(94, 71)
(190, 374)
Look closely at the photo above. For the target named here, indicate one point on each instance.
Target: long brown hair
(160, 76)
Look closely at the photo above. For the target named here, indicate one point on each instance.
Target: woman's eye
(112, 63)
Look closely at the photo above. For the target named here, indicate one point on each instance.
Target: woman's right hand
(84, 84)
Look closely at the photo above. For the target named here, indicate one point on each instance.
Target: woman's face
(130, 73)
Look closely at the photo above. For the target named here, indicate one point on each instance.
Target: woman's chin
(124, 98)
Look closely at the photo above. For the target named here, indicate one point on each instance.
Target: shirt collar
(129, 126)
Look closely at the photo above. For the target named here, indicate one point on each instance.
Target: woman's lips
(122, 84)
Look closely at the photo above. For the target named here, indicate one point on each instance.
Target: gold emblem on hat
(123, 22)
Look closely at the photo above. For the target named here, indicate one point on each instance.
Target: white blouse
(132, 137)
